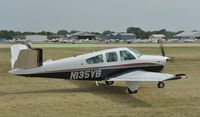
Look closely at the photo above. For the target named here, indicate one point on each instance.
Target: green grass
(33, 97)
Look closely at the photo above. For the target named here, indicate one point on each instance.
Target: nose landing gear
(161, 84)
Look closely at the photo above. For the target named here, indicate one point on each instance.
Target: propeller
(171, 59)
(161, 47)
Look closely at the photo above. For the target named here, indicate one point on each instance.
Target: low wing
(147, 76)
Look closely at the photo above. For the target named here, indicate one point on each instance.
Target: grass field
(34, 97)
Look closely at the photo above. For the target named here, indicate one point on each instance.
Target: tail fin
(24, 57)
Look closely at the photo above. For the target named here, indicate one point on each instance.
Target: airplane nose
(167, 58)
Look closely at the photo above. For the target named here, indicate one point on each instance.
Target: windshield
(137, 53)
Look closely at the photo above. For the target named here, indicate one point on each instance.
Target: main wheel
(161, 84)
(109, 82)
(132, 92)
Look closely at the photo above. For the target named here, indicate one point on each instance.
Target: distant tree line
(8, 34)
(145, 34)
(140, 33)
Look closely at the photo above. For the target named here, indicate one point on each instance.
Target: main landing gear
(109, 82)
(132, 92)
(161, 84)
(133, 87)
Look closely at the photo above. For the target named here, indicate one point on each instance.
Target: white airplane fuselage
(77, 68)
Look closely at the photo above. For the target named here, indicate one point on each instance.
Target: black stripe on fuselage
(94, 73)
(134, 65)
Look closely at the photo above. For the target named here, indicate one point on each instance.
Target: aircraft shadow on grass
(113, 93)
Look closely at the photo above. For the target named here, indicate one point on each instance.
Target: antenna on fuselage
(25, 42)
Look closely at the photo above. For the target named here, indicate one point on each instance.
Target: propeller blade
(161, 47)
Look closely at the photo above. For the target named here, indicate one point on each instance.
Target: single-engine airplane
(117, 64)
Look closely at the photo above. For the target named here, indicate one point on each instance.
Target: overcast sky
(99, 15)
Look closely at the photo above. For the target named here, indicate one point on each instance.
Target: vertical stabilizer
(15, 49)
(25, 57)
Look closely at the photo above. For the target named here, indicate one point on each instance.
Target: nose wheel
(161, 84)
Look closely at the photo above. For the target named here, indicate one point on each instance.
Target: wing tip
(181, 75)
(178, 76)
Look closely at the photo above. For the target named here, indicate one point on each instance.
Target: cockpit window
(137, 53)
(126, 55)
(111, 57)
(95, 59)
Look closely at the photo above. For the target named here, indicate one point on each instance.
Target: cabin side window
(95, 59)
(111, 57)
(126, 55)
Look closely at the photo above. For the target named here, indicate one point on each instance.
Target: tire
(109, 82)
(132, 92)
(161, 84)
